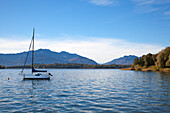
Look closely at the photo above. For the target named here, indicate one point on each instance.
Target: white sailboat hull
(36, 76)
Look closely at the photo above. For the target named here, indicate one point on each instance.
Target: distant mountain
(43, 56)
(126, 60)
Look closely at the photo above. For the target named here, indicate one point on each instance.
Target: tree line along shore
(71, 66)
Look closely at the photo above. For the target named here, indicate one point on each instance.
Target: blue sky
(91, 28)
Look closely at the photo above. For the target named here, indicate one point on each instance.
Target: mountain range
(46, 56)
(43, 56)
(126, 60)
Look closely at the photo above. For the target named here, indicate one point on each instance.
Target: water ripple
(86, 91)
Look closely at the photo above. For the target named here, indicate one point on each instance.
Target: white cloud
(99, 49)
(102, 2)
(12, 45)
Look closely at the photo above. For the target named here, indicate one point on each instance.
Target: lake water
(86, 90)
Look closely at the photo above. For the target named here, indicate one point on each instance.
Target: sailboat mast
(33, 49)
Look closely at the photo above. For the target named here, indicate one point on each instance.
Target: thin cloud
(102, 2)
(150, 6)
(143, 2)
(99, 49)
(167, 13)
(37, 35)
(151, 2)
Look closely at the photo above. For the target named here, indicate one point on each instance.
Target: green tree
(168, 62)
(2, 67)
(141, 61)
(136, 61)
(166, 52)
(160, 60)
(148, 60)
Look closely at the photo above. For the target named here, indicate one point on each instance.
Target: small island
(152, 62)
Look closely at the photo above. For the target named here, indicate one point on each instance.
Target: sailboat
(36, 74)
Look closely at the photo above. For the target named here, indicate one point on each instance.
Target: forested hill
(126, 60)
(44, 56)
(159, 60)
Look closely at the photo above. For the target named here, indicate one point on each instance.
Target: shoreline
(149, 69)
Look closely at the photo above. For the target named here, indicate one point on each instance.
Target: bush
(2, 67)
(138, 68)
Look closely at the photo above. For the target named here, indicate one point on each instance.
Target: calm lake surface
(86, 90)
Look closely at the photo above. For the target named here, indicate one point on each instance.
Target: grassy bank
(146, 69)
